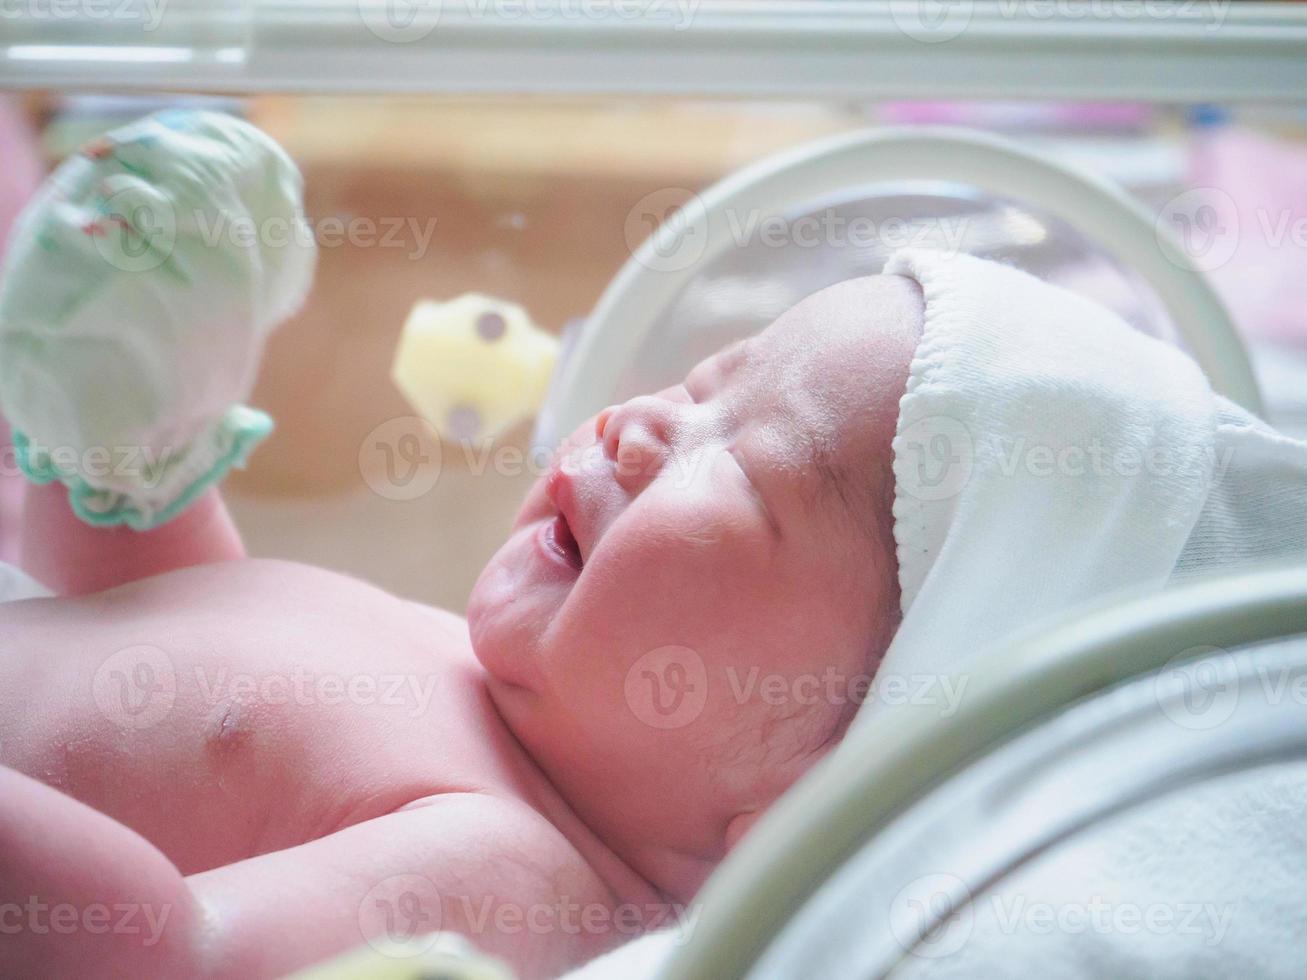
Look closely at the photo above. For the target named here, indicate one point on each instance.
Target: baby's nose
(636, 437)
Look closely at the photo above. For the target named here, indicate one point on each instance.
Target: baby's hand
(141, 284)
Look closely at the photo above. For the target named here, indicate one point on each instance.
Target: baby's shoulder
(256, 588)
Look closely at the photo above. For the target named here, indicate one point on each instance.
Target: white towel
(16, 584)
(1048, 456)
(996, 535)
(1256, 510)
(640, 959)
(1206, 884)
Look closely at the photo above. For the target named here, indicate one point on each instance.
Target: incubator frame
(991, 49)
(1106, 215)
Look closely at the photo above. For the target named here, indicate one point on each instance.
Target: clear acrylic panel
(541, 201)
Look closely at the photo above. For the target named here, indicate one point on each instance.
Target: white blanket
(17, 584)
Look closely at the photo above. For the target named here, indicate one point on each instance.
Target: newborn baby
(214, 766)
(268, 763)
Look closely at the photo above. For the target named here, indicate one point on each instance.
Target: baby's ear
(739, 825)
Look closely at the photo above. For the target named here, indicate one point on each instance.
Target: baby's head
(676, 627)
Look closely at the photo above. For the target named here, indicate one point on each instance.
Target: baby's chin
(515, 598)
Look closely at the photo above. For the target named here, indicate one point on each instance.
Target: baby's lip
(560, 488)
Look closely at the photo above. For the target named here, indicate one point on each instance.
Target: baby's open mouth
(560, 538)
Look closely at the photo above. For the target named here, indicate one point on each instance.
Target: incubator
(527, 212)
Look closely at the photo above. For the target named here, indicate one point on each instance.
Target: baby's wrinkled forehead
(787, 396)
(822, 384)
(807, 379)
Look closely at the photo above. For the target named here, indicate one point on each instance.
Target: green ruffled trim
(242, 427)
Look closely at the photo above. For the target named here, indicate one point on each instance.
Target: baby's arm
(129, 342)
(489, 868)
(82, 895)
(72, 557)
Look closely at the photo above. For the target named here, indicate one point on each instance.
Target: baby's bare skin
(274, 763)
(285, 705)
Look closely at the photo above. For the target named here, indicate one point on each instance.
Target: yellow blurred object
(444, 955)
(473, 367)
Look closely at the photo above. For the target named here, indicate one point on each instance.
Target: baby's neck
(628, 886)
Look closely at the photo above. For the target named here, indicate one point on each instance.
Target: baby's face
(677, 625)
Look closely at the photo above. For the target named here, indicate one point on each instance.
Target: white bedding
(17, 584)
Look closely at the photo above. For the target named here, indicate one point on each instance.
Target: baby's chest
(245, 734)
(340, 729)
